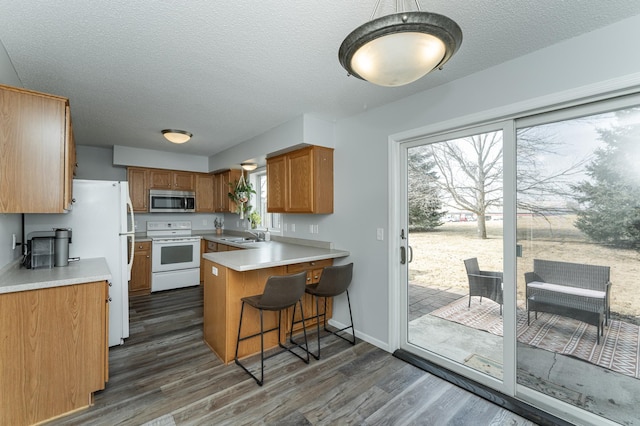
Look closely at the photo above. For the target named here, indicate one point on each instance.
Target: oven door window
(171, 255)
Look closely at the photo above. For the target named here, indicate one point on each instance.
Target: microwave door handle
(184, 203)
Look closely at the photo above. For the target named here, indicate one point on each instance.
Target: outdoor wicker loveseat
(572, 290)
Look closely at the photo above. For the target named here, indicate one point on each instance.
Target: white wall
(303, 129)
(127, 156)
(96, 163)
(562, 67)
(9, 223)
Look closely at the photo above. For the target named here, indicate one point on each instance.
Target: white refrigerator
(102, 226)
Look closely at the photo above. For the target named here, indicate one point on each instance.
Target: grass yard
(438, 256)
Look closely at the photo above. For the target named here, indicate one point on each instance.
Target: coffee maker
(46, 249)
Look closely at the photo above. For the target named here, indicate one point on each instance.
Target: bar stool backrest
(283, 291)
(334, 280)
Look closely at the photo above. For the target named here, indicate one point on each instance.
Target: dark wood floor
(164, 374)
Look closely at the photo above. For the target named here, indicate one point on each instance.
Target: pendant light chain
(400, 4)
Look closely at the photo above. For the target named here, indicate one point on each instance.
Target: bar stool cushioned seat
(280, 293)
(333, 282)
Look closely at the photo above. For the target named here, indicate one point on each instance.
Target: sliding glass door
(454, 248)
(520, 254)
(578, 228)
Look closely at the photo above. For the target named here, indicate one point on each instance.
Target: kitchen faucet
(258, 234)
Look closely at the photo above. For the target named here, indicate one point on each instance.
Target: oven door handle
(175, 243)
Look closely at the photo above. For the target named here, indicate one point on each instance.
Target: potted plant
(240, 194)
(218, 223)
(255, 219)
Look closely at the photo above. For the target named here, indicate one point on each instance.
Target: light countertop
(264, 254)
(14, 278)
(271, 253)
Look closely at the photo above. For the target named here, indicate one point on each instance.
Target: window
(272, 221)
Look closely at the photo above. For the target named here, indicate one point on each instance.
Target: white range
(175, 260)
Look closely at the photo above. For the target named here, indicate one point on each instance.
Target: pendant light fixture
(176, 136)
(248, 166)
(400, 48)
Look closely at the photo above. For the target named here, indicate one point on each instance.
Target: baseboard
(509, 403)
(362, 336)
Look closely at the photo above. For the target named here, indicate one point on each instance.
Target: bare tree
(471, 173)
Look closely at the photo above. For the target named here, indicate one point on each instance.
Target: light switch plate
(380, 234)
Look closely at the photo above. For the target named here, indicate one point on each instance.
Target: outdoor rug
(619, 348)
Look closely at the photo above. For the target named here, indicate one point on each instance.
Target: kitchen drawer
(143, 245)
(309, 266)
(211, 247)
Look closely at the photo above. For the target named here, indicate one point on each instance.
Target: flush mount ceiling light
(176, 136)
(398, 49)
(249, 166)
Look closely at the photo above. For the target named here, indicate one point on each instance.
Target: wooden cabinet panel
(69, 159)
(221, 194)
(276, 189)
(204, 193)
(38, 152)
(140, 282)
(171, 179)
(301, 181)
(53, 352)
(183, 181)
(138, 188)
(160, 179)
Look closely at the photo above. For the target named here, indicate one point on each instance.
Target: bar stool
(280, 293)
(334, 281)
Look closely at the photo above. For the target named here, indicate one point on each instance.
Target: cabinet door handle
(109, 300)
(308, 279)
(147, 257)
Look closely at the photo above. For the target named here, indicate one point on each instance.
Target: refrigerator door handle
(131, 233)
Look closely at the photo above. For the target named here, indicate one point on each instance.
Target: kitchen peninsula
(232, 275)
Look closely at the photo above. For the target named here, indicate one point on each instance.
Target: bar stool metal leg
(281, 293)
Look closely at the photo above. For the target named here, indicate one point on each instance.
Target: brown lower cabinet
(140, 282)
(222, 294)
(54, 351)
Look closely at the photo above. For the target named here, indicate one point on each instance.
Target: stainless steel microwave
(164, 201)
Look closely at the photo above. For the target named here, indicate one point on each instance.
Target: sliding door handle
(403, 255)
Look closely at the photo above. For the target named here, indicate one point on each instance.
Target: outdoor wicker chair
(483, 283)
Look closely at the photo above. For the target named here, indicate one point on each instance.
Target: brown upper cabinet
(204, 193)
(38, 152)
(301, 181)
(141, 180)
(138, 179)
(171, 179)
(221, 194)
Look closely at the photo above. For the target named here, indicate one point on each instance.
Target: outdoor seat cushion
(565, 289)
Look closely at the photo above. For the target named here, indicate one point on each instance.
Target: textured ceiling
(227, 71)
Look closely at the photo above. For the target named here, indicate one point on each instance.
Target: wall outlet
(316, 230)
(13, 241)
(293, 227)
(204, 222)
(311, 228)
(214, 271)
(380, 234)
